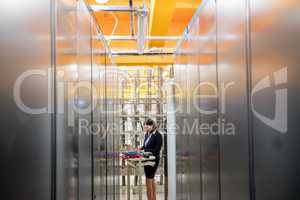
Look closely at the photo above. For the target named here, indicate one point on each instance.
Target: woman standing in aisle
(152, 143)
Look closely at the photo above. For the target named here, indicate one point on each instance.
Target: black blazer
(154, 144)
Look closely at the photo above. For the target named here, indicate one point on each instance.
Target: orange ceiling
(182, 14)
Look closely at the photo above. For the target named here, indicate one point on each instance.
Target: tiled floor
(159, 191)
(160, 195)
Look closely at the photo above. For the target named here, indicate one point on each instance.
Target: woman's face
(148, 128)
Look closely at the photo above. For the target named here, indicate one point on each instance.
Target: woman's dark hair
(149, 122)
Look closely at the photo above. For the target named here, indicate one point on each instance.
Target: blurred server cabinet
(246, 53)
(25, 47)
